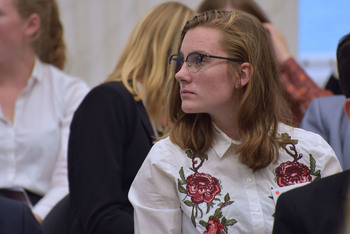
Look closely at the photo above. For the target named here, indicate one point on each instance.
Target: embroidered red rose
(214, 227)
(202, 187)
(289, 173)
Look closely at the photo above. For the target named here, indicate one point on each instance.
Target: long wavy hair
(48, 42)
(144, 58)
(262, 104)
(249, 6)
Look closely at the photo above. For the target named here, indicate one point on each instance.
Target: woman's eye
(198, 60)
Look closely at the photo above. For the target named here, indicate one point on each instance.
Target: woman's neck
(228, 124)
(16, 72)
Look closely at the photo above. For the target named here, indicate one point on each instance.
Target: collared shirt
(33, 149)
(177, 191)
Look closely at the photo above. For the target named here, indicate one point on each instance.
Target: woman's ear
(33, 24)
(347, 107)
(246, 72)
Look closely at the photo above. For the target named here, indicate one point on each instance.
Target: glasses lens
(175, 63)
(194, 62)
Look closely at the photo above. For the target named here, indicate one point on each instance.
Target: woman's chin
(189, 109)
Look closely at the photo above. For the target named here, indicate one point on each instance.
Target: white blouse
(176, 191)
(33, 149)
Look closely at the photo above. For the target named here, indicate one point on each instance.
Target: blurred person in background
(37, 102)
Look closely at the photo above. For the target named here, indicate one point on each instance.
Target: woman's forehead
(201, 39)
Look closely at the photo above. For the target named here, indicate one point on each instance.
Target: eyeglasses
(194, 61)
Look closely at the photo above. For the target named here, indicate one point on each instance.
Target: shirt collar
(37, 73)
(222, 142)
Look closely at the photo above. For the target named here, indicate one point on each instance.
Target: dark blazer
(326, 117)
(314, 208)
(17, 218)
(110, 137)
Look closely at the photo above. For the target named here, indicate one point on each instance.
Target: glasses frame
(202, 56)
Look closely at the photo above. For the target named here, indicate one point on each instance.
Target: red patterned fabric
(300, 88)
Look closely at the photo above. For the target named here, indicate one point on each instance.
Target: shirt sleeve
(72, 93)
(153, 195)
(325, 156)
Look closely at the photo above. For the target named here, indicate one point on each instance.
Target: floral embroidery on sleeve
(204, 190)
(294, 172)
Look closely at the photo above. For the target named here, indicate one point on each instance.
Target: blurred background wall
(96, 30)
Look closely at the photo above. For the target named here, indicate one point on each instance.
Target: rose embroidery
(214, 226)
(294, 172)
(289, 173)
(202, 187)
(204, 190)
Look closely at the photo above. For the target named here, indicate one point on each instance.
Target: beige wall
(96, 30)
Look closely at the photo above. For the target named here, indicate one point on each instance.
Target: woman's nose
(183, 73)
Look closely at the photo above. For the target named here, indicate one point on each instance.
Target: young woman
(228, 154)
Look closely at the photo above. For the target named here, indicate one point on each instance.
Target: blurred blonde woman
(37, 101)
(116, 124)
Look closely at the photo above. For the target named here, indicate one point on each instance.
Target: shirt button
(256, 209)
(249, 180)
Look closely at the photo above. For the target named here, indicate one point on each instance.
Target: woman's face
(12, 29)
(210, 90)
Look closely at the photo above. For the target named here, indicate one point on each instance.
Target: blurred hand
(279, 43)
(38, 218)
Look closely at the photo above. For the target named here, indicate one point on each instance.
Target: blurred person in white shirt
(37, 101)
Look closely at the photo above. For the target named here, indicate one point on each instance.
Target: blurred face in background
(12, 30)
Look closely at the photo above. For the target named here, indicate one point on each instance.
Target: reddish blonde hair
(262, 104)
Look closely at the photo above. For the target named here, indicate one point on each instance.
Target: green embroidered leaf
(181, 182)
(220, 204)
(189, 203)
(312, 164)
(195, 207)
(181, 189)
(317, 174)
(189, 153)
(225, 229)
(285, 136)
(209, 205)
(200, 211)
(227, 197)
(230, 222)
(223, 221)
(218, 214)
(229, 203)
(182, 175)
(193, 219)
(202, 157)
(203, 223)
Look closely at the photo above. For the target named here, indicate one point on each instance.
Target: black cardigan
(110, 137)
